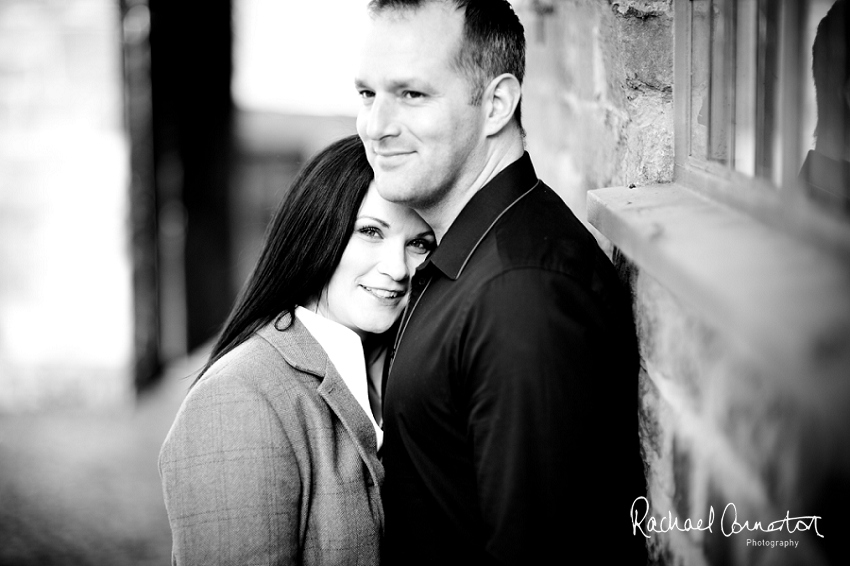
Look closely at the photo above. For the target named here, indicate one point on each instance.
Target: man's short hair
(493, 40)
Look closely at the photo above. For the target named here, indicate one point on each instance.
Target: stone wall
(721, 420)
(65, 289)
(723, 425)
(598, 99)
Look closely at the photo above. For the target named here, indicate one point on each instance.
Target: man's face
(422, 136)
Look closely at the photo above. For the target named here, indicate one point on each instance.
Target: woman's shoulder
(262, 362)
(253, 381)
(237, 406)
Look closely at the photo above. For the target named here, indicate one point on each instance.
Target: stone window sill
(782, 298)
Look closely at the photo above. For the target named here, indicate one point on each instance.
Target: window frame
(783, 206)
(739, 255)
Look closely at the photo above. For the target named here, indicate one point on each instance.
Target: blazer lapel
(336, 394)
(302, 352)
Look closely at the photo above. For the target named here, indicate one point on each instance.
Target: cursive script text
(729, 524)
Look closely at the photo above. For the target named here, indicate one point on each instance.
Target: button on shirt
(510, 411)
(345, 351)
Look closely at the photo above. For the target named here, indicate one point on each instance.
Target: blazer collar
(301, 351)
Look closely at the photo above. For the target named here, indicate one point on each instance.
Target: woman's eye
(421, 245)
(370, 232)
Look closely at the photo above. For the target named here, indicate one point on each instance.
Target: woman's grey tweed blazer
(271, 461)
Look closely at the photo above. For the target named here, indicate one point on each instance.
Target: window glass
(767, 150)
(700, 58)
(825, 115)
(762, 105)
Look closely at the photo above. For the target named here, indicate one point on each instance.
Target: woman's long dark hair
(303, 244)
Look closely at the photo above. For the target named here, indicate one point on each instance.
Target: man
(510, 413)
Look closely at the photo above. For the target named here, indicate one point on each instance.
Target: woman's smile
(386, 294)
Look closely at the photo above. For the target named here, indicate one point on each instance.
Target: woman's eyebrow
(378, 220)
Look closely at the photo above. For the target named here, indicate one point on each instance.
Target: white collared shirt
(345, 351)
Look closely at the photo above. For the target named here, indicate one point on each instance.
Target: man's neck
(442, 214)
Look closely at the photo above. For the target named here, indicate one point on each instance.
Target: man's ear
(501, 98)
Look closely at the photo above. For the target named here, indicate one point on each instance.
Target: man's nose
(381, 118)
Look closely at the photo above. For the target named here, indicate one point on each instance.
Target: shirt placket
(419, 285)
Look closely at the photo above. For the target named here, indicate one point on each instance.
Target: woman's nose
(393, 262)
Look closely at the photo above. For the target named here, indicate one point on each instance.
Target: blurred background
(143, 147)
(145, 143)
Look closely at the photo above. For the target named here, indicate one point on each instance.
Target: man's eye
(366, 94)
(412, 94)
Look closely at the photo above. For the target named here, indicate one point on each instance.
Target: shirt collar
(480, 214)
(345, 351)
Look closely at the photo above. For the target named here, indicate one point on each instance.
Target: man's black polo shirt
(510, 413)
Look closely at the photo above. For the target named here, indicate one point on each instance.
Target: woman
(272, 457)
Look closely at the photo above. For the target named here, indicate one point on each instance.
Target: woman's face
(371, 284)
